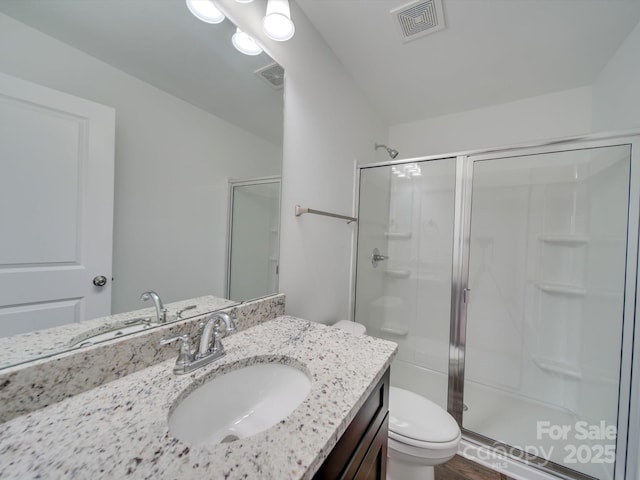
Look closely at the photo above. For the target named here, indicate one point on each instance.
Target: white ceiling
(161, 43)
(491, 51)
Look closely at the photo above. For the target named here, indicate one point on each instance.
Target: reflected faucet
(161, 312)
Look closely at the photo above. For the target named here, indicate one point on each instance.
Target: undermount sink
(239, 404)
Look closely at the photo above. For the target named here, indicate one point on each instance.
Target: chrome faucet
(210, 347)
(161, 312)
(210, 334)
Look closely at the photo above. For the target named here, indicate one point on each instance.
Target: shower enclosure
(508, 279)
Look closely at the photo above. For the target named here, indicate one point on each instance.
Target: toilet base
(397, 470)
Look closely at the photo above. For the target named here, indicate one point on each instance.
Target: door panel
(56, 207)
(406, 212)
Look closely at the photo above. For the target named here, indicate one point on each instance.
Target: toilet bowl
(421, 435)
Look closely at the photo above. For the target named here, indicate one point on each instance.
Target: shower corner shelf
(565, 239)
(394, 329)
(562, 289)
(398, 235)
(396, 273)
(556, 366)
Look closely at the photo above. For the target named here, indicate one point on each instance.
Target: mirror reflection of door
(56, 207)
(254, 233)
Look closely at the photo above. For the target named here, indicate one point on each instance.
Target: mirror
(191, 114)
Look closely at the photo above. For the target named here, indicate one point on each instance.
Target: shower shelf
(565, 239)
(398, 235)
(393, 273)
(562, 289)
(394, 329)
(555, 366)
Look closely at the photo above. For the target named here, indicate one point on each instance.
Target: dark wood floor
(459, 468)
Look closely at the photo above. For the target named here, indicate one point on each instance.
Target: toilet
(351, 327)
(421, 433)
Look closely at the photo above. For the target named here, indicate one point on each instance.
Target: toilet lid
(351, 327)
(413, 416)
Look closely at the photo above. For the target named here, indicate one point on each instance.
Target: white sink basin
(239, 404)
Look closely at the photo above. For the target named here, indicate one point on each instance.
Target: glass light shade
(277, 22)
(245, 43)
(244, 1)
(205, 10)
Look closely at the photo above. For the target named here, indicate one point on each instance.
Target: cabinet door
(346, 458)
(374, 465)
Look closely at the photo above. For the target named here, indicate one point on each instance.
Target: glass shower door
(405, 217)
(254, 229)
(544, 322)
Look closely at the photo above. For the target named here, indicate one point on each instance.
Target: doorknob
(377, 257)
(100, 281)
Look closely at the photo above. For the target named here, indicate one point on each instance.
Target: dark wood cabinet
(361, 453)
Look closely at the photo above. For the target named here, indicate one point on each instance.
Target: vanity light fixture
(244, 1)
(205, 10)
(245, 43)
(277, 22)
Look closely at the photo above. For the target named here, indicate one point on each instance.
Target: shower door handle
(377, 257)
(466, 294)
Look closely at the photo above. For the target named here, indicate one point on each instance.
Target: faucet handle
(185, 355)
(232, 324)
(216, 344)
(229, 322)
(182, 310)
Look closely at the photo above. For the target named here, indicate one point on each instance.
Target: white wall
(172, 164)
(328, 125)
(616, 91)
(554, 115)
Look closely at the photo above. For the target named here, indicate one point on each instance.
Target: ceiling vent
(418, 19)
(273, 74)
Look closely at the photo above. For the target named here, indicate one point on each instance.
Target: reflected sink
(125, 328)
(239, 404)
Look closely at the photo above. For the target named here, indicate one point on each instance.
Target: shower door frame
(232, 183)
(627, 462)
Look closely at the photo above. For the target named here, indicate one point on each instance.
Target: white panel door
(56, 207)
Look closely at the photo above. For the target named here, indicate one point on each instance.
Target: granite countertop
(119, 430)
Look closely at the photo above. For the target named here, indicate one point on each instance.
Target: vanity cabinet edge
(361, 452)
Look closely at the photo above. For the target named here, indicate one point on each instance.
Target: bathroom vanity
(361, 452)
(120, 429)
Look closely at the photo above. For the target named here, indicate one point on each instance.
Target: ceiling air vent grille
(273, 74)
(418, 19)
